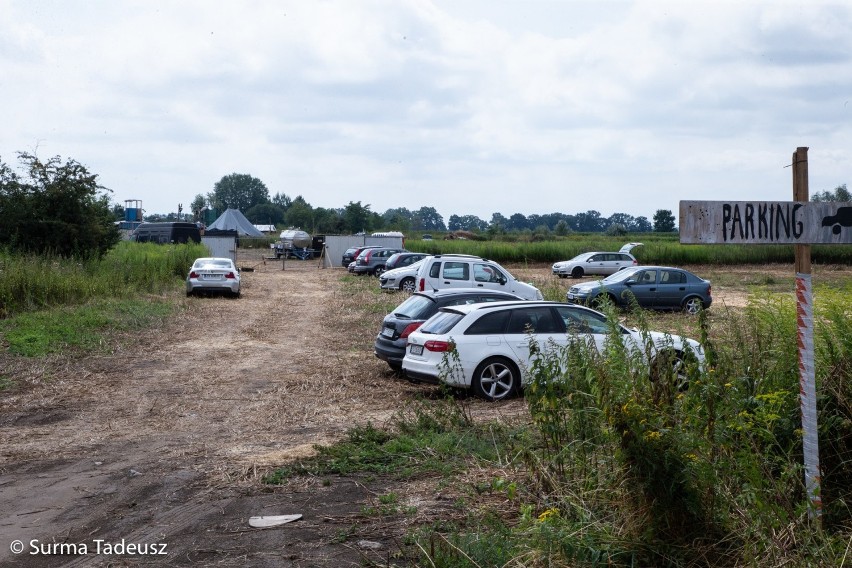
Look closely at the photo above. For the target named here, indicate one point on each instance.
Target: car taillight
(438, 346)
(230, 275)
(422, 284)
(708, 290)
(407, 331)
(193, 274)
(367, 257)
(635, 262)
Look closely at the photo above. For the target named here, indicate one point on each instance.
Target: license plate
(212, 276)
(570, 296)
(387, 332)
(416, 350)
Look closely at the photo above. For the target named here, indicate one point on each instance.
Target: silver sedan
(213, 275)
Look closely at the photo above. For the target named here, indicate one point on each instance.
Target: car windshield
(621, 275)
(583, 256)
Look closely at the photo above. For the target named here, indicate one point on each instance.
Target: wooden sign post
(798, 222)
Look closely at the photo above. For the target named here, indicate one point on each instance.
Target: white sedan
(491, 342)
(213, 275)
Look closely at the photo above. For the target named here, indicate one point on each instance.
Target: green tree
(428, 219)
(356, 217)
(327, 221)
(55, 208)
(590, 222)
(301, 215)
(398, 219)
(641, 225)
(840, 193)
(664, 221)
(466, 223)
(199, 202)
(282, 200)
(265, 214)
(238, 191)
(562, 228)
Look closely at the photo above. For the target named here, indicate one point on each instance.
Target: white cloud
(466, 106)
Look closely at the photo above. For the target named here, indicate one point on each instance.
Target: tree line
(251, 196)
(59, 207)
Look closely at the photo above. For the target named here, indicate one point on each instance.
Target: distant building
(266, 228)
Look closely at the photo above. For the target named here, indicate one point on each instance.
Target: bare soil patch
(164, 440)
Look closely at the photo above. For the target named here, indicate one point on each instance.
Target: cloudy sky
(471, 107)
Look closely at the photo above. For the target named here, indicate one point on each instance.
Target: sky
(473, 107)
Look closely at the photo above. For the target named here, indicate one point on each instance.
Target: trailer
(293, 243)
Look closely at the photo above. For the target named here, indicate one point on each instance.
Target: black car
(352, 253)
(401, 259)
(420, 306)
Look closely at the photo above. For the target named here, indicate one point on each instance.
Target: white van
(464, 271)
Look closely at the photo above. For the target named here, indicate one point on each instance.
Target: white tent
(233, 220)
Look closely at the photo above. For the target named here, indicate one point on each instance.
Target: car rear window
(416, 307)
(441, 323)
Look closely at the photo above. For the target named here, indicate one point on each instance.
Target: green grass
(51, 305)
(658, 248)
(34, 334)
(29, 283)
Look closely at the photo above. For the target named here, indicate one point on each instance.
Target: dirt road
(163, 441)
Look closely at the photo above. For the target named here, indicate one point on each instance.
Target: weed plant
(31, 282)
(628, 468)
(50, 304)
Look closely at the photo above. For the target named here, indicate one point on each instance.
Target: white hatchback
(464, 271)
(492, 344)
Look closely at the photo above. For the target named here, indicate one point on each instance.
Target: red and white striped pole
(805, 341)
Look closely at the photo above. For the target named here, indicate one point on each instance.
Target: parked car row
(475, 308)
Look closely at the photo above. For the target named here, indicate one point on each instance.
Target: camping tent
(233, 220)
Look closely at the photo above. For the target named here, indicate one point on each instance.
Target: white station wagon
(491, 342)
(602, 263)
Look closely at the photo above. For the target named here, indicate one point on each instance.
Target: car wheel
(379, 271)
(692, 305)
(407, 284)
(601, 300)
(577, 272)
(496, 378)
(674, 366)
